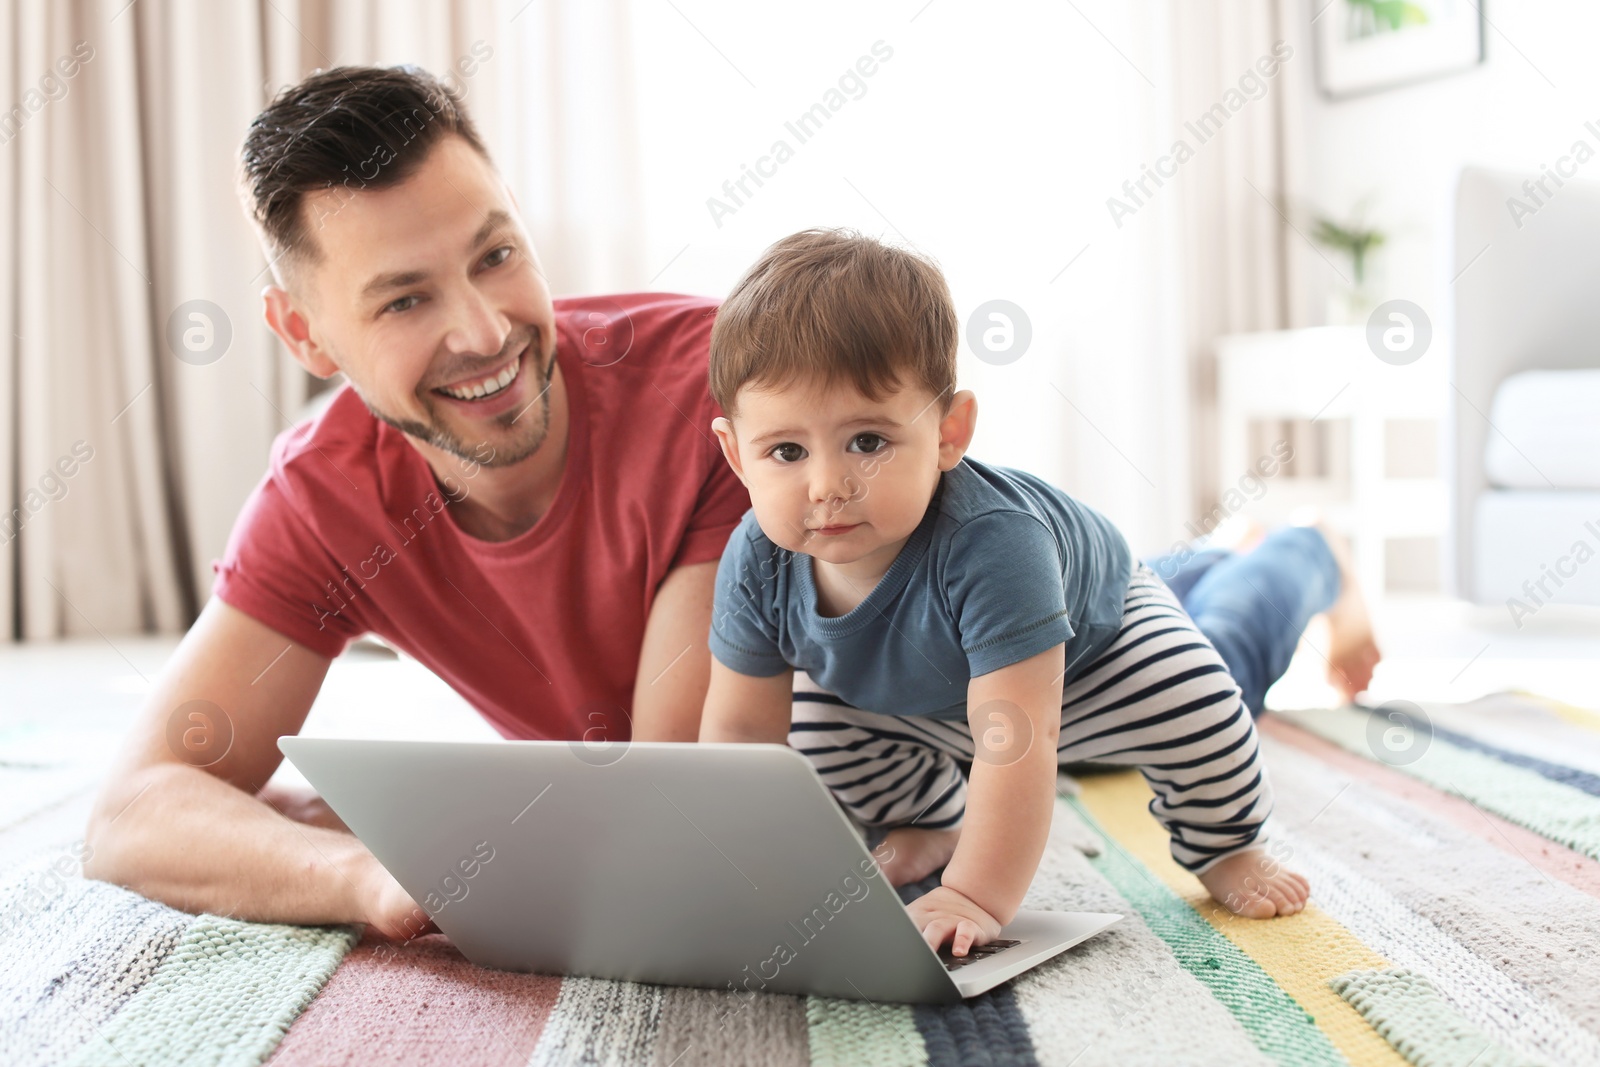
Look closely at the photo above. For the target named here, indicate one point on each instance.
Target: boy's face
(837, 476)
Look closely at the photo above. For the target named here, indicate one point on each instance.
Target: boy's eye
(405, 303)
(867, 442)
(788, 452)
(497, 257)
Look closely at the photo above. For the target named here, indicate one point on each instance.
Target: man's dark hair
(348, 128)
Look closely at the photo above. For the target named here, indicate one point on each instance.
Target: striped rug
(1454, 854)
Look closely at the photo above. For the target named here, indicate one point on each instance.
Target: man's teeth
(486, 387)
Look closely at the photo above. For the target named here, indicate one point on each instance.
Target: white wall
(990, 140)
(1404, 147)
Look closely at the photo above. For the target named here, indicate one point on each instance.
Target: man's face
(427, 295)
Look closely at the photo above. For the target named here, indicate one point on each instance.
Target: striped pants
(1159, 699)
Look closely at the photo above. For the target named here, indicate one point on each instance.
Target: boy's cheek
(772, 502)
(767, 517)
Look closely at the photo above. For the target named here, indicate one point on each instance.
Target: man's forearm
(181, 836)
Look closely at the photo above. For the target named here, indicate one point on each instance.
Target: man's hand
(390, 911)
(946, 915)
(301, 805)
(196, 833)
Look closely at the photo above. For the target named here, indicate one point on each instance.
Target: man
(519, 492)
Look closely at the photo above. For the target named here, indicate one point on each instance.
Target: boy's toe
(1280, 900)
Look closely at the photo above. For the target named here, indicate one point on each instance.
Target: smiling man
(517, 491)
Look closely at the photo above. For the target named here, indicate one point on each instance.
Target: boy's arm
(745, 708)
(1015, 716)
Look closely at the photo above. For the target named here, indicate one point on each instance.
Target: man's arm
(674, 660)
(199, 838)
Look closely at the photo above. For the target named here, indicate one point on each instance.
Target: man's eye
(497, 257)
(405, 303)
(788, 452)
(867, 442)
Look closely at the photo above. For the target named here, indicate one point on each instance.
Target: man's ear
(290, 324)
(956, 429)
(723, 428)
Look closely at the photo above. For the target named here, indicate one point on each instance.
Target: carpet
(1454, 855)
(91, 975)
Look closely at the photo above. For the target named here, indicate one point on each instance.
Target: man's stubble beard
(535, 417)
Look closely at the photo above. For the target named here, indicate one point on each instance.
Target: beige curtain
(122, 466)
(1235, 238)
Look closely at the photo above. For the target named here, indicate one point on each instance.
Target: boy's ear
(723, 428)
(291, 326)
(956, 428)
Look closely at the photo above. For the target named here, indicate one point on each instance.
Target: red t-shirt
(350, 533)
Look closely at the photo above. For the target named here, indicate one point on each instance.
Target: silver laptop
(723, 866)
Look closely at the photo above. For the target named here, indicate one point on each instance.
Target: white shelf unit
(1328, 375)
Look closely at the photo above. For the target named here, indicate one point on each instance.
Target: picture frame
(1367, 46)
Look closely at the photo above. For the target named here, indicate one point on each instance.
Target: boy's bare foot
(1352, 647)
(911, 853)
(1255, 885)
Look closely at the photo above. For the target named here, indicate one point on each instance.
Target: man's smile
(480, 386)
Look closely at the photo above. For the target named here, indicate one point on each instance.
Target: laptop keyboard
(975, 954)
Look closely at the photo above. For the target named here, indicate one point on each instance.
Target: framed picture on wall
(1364, 46)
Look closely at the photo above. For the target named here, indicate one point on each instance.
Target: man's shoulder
(338, 446)
(663, 326)
(653, 306)
(636, 348)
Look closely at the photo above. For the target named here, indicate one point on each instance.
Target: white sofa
(1525, 402)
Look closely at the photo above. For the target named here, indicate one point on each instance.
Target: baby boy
(947, 605)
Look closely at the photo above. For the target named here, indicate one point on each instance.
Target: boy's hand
(946, 915)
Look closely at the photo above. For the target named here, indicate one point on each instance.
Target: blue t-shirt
(1002, 567)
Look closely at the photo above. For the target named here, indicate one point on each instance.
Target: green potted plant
(1357, 240)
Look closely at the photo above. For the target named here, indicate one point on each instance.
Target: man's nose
(477, 327)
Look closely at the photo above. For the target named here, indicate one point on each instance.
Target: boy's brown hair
(832, 305)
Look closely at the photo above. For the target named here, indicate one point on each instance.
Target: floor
(1448, 651)
(1435, 650)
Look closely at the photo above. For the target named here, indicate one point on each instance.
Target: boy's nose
(831, 483)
